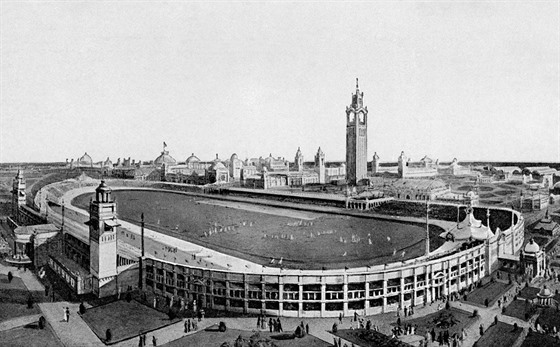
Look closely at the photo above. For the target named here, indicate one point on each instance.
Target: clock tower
(103, 240)
(356, 138)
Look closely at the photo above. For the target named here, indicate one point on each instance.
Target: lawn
(245, 232)
(29, 336)
(540, 340)
(549, 317)
(364, 338)
(215, 338)
(528, 293)
(518, 309)
(13, 299)
(459, 319)
(491, 291)
(500, 334)
(125, 319)
(14, 310)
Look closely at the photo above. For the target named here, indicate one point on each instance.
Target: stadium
(282, 253)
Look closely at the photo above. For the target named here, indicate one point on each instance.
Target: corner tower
(320, 165)
(299, 160)
(103, 241)
(18, 195)
(356, 138)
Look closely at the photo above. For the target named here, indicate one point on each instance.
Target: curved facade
(315, 293)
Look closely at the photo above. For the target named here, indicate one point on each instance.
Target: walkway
(68, 333)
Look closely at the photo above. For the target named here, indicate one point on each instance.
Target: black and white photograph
(280, 173)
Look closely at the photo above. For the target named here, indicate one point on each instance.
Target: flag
(164, 144)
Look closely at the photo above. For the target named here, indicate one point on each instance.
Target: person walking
(64, 318)
(154, 340)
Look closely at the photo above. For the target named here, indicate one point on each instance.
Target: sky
(467, 80)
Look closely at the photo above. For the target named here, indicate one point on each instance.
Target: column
(164, 279)
(263, 296)
(384, 295)
(245, 294)
(366, 305)
(323, 296)
(414, 288)
(280, 295)
(227, 295)
(401, 294)
(300, 297)
(345, 293)
(429, 285)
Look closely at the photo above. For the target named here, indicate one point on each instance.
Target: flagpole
(427, 227)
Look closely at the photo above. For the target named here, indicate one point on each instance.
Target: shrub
(222, 327)
(42, 322)
(475, 313)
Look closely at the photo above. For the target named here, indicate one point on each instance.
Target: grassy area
(13, 299)
(125, 319)
(9, 311)
(453, 320)
(29, 336)
(519, 309)
(528, 293)
(500, 334)
(364, 338)
(549, 317)
(540, 340)
(491, 291)
(258, 237)
(215, 338)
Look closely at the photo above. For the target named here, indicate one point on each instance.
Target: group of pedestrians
(191, 325)
(274, 325)
(142, 340)
(444, 338)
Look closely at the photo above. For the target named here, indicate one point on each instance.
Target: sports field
(272, 236)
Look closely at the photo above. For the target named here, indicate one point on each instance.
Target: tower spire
(357, 87)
